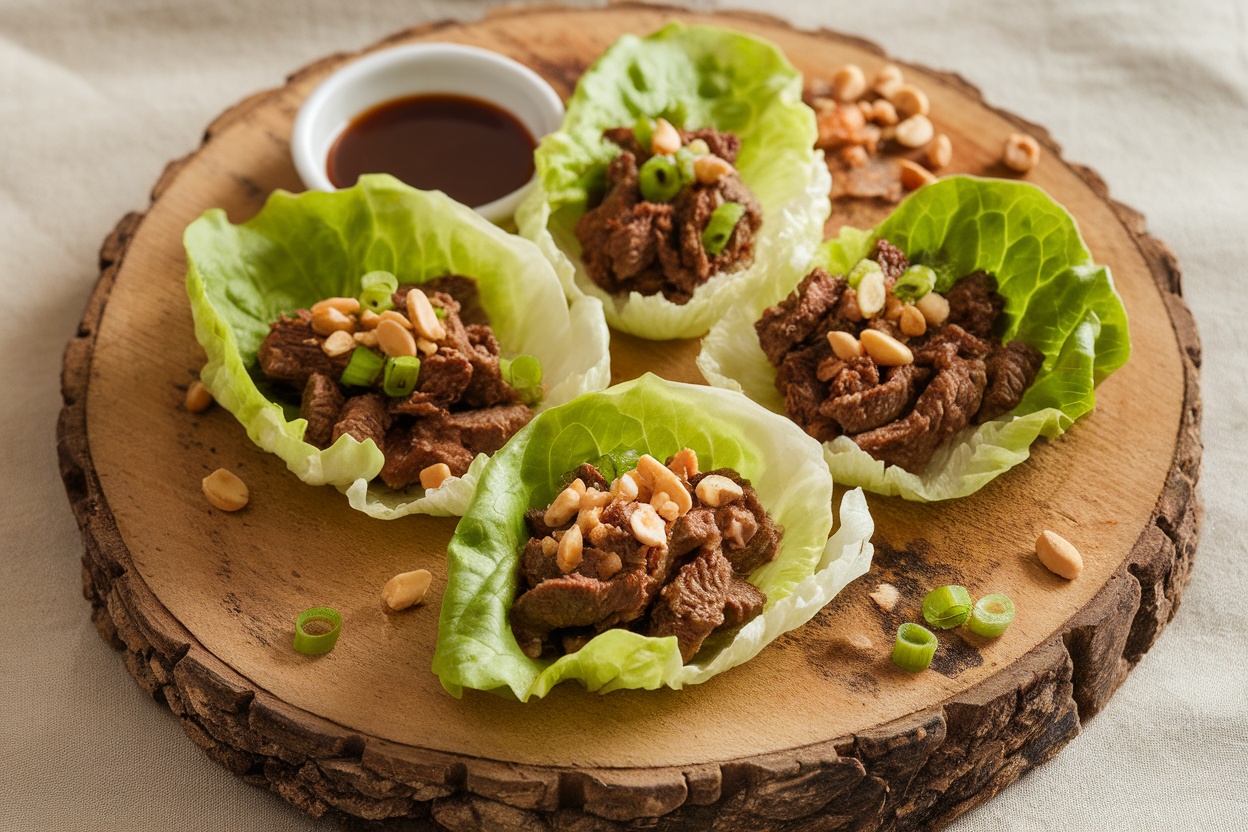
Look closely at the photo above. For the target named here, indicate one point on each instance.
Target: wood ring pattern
(917, 772)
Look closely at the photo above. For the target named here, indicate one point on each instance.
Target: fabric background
(95, 97)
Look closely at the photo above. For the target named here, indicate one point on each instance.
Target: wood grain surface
(820, 731)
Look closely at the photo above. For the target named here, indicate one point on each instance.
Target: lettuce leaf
(302, 248)
(1057, 299)
(476, 648)
(696, 76)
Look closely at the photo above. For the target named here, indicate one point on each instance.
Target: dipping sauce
(471, 149)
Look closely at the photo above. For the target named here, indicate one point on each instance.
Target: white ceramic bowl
(415, 69)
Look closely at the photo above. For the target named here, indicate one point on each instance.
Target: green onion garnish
(991, 616)
(947, 607)
(861, 270)
(362, 369)
(643, 132)
(914, 648)
(400, 377)
(684, 163)
(440, 313)
(916, 282)
(524, 372)
(659, 179)
(719, 228)
(376, 289)
(317, 629)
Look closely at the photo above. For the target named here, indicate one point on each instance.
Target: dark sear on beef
(899, 413)
(461, 405)
(629, 244)
(605, 555)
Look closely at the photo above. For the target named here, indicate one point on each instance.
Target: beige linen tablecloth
(95, 97)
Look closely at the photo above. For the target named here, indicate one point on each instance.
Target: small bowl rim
(312, 166)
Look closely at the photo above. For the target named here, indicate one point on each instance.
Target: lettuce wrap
(694, 76)
(476, 648)
(300, 249)
(1057, 300)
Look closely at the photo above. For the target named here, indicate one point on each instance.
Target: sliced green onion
(400, 377)
(991, 616)
(947, 607)
(659, 179)
(317, 630)
(524, 373)
(719, 227)
(362, 369)
(914, 648)
(376, 289)
(684, 163)
(439, 313)
(643, 132)
(861, 270)
(914, 283)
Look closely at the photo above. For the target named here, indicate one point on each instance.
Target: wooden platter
(818, 732)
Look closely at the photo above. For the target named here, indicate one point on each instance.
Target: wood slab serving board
(820, 731)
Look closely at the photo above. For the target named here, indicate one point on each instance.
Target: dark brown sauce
(471, 149)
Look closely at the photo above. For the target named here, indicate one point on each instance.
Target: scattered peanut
(912, 322)
(883, 112)
(935, 308)
(398, 317)
(848, 84)
(886, 597)
(347, 306)
(422, 316)
(433, 476)
(710, 169)
(849, 308)
(225, 490)
(198, 399)
(327, 319)
(892, 308)
(627, 487)
(338, 343)
(406, 589)
(1021, 153)
(868, 109)
(885, 350)
(598, 534)
(715, 491)
(915, 131)
(940, 152)
(910, 101)
(669, 511)
(684, 463)
(394, 340)
(855, 155)
(425, 346)
(871, 294)
(666, 138)
(844, 345)
(660, 478)
(587, 519)
(658, 499)
(888, 80)
(563, 509)
(593, 498)
(1058, 555)
(647, 526)
(366, 338)
(369, 319)
(570, 547)
(608, 566)
(914, 176)
(550, 546)
(578, 485)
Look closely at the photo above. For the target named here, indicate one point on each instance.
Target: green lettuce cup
(694, 76)
(1057, 300)
(476, 648)
(300, 249)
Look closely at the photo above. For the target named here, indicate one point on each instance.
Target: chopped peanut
(940, 152)
(915, 131)
(715, 491)
(910, 101)
(347, 306)
(885, 350)
(327, 319)
(366, 338)
(849, 83)
(394, 340)
(657, 475)
(647, 527)
(1058, 555)
(914, 176)
(666, 138)
(198, 398)
(406, 589)
(1021, 153)
(684, 463)
(225, 490)
(563, 509)
(433, 476)
(844, 345)
(338, 343)
(571, 545)
(883, 112)
(710, 169)
(423, 317)
(912, 322)
(934, 307)
(888, 80)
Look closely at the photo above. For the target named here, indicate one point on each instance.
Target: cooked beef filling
(899, 397)
(663, 551)
(460, 406)
(633, 244)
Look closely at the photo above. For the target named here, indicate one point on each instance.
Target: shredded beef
(573, 601)
(592, 477)
(364, 417)
(1011, 370)
(691, 607)
(759, 537)
(632, 245)
(742, 603)
(899, 415)
(974, 304)
(291, 352)
(321, 403)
